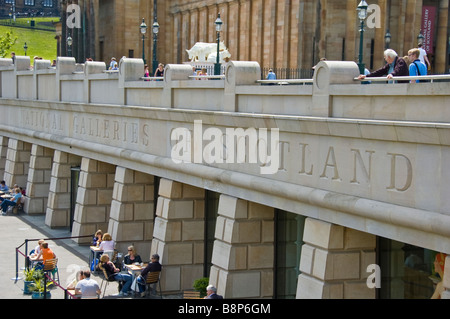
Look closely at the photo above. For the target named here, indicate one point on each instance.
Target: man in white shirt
(87, 287)
(423, 56)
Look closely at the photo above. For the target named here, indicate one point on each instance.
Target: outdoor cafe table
(95, 252)
(33, 260)
(135, 270)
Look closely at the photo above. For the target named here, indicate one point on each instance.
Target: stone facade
(244, 249)
(93, 202)
(178, 235)
(58, 209)
(276, 34)
(334, 261)
(356, 161)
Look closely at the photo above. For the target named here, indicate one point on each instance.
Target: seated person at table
(87, 287)
(6, 202)
(3, 187)
(46, 254)
(97, 238)
(107, 243)
(78, 278)
(113, 272)
(153, 266)
(37, 249)
(132, 257)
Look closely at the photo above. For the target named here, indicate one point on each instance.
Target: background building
(29, 8)
(285, 35)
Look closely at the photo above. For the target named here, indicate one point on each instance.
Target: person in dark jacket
(211, 293)
(153, 266)
(396, 66)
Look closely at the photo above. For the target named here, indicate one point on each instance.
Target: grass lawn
(40, 43)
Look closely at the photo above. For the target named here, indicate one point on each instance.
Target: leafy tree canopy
(6, 42)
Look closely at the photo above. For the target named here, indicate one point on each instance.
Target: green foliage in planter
(200, 285)
(39, 286)
(33, 274)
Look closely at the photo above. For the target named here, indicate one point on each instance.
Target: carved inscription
(113, 130)
(348, 165)
(310, 161)
(50, 121)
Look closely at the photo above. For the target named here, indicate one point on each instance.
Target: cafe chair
(51, 268)
(153, 278)
(106, 279)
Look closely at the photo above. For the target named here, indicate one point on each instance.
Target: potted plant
(38, 287)
(200, 285)
(31, 275)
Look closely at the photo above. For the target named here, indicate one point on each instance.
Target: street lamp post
(69, 45)
(155, 29)
(387, 39)
(362, 14)
(25, 48)
(218, 24)
(143, 28)
(420, 38)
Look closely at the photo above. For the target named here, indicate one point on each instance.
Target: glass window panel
(407, 271)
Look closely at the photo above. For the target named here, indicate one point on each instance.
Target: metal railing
(67, 294)
(288, 73)
(286, 82)
(430, 78)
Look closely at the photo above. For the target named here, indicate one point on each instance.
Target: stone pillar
(442, 36)
(58, 206)
(178, 235)
(17, 163)
(38, 179)
(243, 253)
(3, 151)
(94, 197)
(334, 261)
(132, 207)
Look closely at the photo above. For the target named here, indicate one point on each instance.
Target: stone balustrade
(333, 93)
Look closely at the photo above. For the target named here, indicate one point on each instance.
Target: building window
(48, 3)
(211, 208)
(407, 271)
(29, 2)
(289, 241)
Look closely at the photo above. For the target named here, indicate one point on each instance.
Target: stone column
(132, 207)
(58, 206)
(243, 253)
(17, 163)
(178, 235)
(94, 197)
(3, 151)
(38, 179)
(334, 261)
(442, 36)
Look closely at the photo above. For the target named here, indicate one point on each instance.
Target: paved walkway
(71, 256)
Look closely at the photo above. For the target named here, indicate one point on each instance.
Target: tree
(6, 42)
